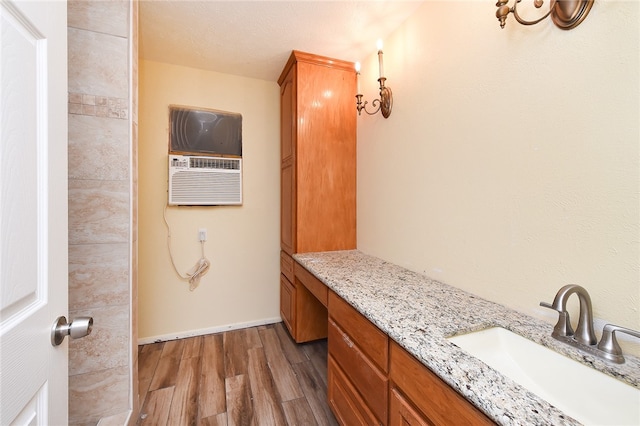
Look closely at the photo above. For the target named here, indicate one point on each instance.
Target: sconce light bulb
(380, 65)
(379, 44)
(357, 66)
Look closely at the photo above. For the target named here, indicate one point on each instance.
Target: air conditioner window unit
(204, 181)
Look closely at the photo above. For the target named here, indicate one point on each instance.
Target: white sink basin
(587, 395)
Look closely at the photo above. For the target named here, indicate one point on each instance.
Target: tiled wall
(102, 208)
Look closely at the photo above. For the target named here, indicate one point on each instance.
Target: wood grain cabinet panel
(370, 382)
(286, 266)
(436, 401)
(402, 413)
(288, 304)
(288, 115)
(287, 208)
(361, 350)
(370, 339)
(345, 402)
(314, 285)
(311, 315)
(287, 166)
(318, 158)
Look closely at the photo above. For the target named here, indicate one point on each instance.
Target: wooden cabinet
(358, 366)
(371, 380)
(318, 165)
(419, 397)
(318, 154)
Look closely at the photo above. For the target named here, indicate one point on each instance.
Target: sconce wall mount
(385, 103)
(566, 14)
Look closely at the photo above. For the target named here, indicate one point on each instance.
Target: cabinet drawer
(288, 304)
(371, 340)
(314, 285)
(286, 265)
(344, 400)
(370, 382)
(402, 413)
(433, 397)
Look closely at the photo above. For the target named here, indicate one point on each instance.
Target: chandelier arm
(514, 10)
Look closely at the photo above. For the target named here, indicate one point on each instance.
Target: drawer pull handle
(347, 340)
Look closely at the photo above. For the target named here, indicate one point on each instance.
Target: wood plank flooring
(250, 377)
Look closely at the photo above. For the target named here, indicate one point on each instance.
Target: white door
(33, 211)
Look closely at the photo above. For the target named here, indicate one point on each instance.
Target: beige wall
(102, 138)
(241, 287)
(510, 164)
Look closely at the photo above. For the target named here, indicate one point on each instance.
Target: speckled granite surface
(419, 313)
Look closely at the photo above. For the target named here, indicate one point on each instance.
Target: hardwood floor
(254, 376)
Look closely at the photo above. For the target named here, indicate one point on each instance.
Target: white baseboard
(211, 330)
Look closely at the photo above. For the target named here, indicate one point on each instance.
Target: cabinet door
(325, 159)
(287, 116)
(288, 304)
(402, 413)
(287, 165)
(287, 207)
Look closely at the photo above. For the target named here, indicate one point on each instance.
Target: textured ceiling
(255, 38)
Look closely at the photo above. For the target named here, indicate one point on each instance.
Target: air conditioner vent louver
(204, 181)
(214, 163)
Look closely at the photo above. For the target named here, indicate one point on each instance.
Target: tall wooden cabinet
(318, 175)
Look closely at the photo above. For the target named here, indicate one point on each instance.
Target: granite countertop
(420, 313)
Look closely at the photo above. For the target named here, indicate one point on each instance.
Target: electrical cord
(199, 269)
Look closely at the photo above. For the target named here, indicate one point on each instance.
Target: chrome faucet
(584, 331)
(584, 338)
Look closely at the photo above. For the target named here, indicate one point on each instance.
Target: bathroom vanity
(389, 359)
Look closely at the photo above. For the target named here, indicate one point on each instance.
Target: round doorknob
(77, 328)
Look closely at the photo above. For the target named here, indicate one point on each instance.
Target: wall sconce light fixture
(385, 103)
(566, 14)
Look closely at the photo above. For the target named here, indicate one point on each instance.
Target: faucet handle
(609, 344)
(563, 326)
(548, 305)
